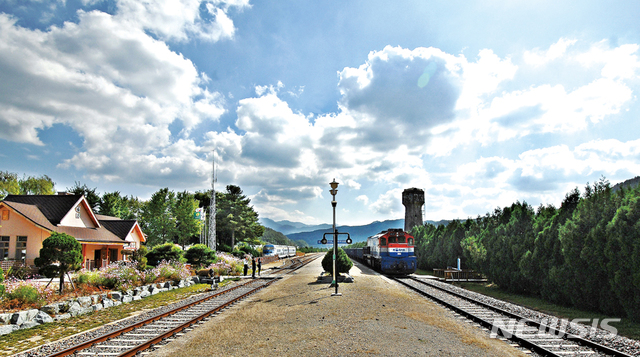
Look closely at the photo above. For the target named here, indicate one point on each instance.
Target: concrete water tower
(412, 199)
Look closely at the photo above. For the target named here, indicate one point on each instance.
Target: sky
(479, 103)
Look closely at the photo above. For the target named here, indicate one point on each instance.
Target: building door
(113, 255)
(97, 259)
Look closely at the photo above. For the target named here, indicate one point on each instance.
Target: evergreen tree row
(584, 254)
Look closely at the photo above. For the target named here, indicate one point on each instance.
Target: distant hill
(357, 233)
(287, 227)
(630, 183)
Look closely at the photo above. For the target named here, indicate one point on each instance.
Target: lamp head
(333, 184)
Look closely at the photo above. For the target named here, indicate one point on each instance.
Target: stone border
(62, 310)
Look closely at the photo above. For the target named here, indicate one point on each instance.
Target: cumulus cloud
(115, 85)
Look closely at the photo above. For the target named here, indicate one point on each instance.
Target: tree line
(167, 217)
(586, 253)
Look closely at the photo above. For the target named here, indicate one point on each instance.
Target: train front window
(383, 241)
(402, 239)
(392, 239)
(410, 241)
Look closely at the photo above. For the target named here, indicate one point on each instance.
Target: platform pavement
(297, 316)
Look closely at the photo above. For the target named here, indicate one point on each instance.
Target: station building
(27, 220)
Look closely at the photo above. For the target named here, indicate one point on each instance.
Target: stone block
(95, 299)
(116, 295)
(28, 324)
(62, 316)
(84, 301)
(51, 309)
(42, 318)
(137, 297)
(127, 299)
(20, 317)
(75, 309)
(107, 303)
(5, 319)
(117, 303)
(144, 294)
(64, 306)
(97, 307)
(7, 329)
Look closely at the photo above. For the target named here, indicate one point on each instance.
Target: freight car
(390, 252)
(282, 251)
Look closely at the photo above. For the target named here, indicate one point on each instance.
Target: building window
(21, 247)
(4, 247)
(5, 215)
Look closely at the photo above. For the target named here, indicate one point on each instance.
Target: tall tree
(111, 204)
(157, 217)
(236, 219)
(187, 227)
(90, 194)
(60, 254)
(8, 184)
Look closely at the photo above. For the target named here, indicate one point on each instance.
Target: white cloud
(116, 86)
(364, 199)
(537, 57)
(180, 20)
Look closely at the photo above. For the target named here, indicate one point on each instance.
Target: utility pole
(212, 208)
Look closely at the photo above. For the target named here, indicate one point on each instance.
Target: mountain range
(313, 233)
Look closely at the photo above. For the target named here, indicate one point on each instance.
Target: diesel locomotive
(390, 252)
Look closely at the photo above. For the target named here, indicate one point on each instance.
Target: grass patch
(625, 327)
(22, 340)
(424, 272)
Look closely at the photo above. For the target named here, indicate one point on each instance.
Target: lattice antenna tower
(212, 207)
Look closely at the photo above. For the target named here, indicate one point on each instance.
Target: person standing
(259, 266)
(253, 268)
(246, 267)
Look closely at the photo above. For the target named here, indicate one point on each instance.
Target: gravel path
(298, 317)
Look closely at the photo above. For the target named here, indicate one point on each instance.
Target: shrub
(166, 252)
(25, 294)
(120, 275)
(140, 257)
(200, 255)
(247, 249)
(171, 270)
(343, 263)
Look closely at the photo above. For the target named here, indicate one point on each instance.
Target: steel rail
(89, 343)
(163, 335)
(568, 336)
(173, 331)
(512, 336)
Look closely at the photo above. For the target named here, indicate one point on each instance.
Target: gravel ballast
(298, 317)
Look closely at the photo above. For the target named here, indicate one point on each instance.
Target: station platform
(298, 316)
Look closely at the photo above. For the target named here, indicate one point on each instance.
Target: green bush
(140, 257)
(343, 263)
(166, 252)
(247, 249)
(200, 255)
(26, 294)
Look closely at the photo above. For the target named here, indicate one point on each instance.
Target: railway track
(540, 338)
(132, 336)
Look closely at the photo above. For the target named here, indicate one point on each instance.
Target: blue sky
(480, 103)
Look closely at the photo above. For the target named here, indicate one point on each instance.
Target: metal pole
(334, 191)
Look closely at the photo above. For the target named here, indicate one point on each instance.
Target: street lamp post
(334, 191)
